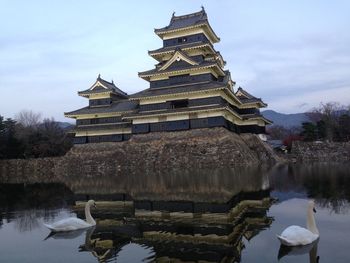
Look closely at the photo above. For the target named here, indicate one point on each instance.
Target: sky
(294, 54)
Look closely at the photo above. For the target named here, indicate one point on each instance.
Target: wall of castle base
(202, 148)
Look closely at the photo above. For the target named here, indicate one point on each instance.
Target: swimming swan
(296, 235)
(73, 223)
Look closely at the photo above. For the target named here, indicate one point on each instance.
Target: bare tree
(330, 114)
(28, 118)
(331, 120)
(277, 132)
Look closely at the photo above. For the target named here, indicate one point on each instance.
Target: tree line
(30, 136)
(328, 122)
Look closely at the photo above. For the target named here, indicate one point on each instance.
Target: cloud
(288, 74)
(305, 101)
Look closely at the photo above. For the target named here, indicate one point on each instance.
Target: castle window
(94, 121)
(182, 40)
(176, 104)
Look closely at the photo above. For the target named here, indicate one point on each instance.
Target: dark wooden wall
(189, 39)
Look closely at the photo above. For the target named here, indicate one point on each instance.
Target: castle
(189, 89)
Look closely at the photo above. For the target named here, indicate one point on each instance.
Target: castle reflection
(180, 217)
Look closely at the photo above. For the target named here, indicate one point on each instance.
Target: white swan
(296, 235)
(73, 223)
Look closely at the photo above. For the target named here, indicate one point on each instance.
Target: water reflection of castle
(211, 236)
(204, 216)
(183, 236)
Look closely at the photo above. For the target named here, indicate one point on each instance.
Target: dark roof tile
(247, 97)
(111, 87)
(177, 22)
(245, 93)
(255, 115)
(118, 106)
(180, 89)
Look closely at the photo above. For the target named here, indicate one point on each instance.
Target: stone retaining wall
(200, 148)
(321, 151)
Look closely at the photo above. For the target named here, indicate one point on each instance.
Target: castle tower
(188, 89)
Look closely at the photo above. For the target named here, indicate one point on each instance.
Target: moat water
(224, 215)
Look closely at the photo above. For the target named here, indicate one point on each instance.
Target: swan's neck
(313, 254)
(88, 216)
(88, 235)
(310, 222)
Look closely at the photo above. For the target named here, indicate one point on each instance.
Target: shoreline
(213, 148)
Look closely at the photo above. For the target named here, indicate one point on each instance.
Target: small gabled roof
(101, 86)
(186, 21)
(246, 97)
(180, 68)
(244, 94)
(177, 56)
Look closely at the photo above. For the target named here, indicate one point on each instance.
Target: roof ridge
(112, 83)
(109, 86)
(201, 12)
(196, 18)
(182, 46)
(182, 52)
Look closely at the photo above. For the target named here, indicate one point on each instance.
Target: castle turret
(101, 121)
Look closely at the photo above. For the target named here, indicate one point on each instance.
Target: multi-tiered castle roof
(189, 88)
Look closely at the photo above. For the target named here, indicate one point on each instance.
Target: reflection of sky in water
(23, 240)
(28, 246)
(334, 234)
(134, 253)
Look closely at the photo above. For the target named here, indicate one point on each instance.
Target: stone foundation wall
(29, 171)
(321, 151)
(199, 148)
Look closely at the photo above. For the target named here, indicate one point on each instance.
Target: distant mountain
(65, 125)
(285, 120)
